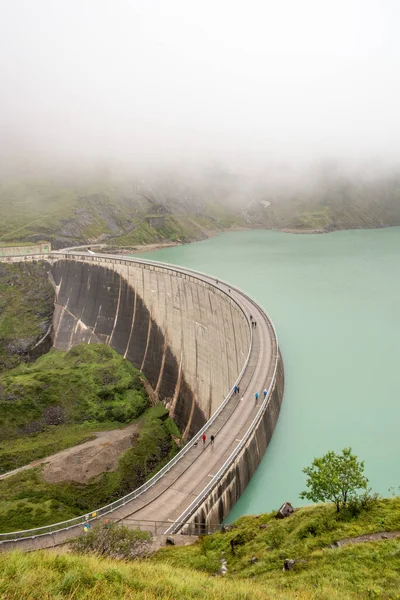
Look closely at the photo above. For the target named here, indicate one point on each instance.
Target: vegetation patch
(27, 500)
(364, 571)
(263, 543)
(90, 383)
(45, 576)
(21, 451)
(113, 540)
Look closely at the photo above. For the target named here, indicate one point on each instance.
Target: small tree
(335, 478)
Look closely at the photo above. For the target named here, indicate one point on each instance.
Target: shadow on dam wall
(95, 304)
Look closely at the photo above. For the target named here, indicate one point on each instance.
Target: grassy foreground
(43, 576)
(321, 572)
(367, 570)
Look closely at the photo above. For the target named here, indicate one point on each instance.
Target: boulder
(288, 564)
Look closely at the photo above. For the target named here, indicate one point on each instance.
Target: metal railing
(96, 514)
(191, 509)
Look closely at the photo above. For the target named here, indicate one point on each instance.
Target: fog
(262, 83)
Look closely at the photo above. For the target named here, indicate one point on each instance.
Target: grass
(88, 383)
(43, 576)
(354, 572)
(176, 228)
(11, 244)
(88, 211)
(26, 309)
(72, 210)
(362, 571)
(20, 451)
(58, 402)
(28, 501)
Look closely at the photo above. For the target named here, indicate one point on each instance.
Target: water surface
(335, 302)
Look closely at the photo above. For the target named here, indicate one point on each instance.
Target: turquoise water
(335, 302)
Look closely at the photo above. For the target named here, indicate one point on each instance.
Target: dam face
(189, 338)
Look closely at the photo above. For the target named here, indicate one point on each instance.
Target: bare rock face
(26, 312)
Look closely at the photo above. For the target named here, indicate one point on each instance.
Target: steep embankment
(254, 550)
(320, 566)
(26, 310)
(158, 209)
(329, 205)
(62, 400)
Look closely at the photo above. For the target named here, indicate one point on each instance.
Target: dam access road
(201, 484)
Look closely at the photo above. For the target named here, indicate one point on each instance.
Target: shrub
(114, 541)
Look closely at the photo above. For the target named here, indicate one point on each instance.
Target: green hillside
(88, 383)
(60, 401)
(322, 568)
(69, 212)
(76, 210)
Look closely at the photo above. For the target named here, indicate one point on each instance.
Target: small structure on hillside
(285, 511)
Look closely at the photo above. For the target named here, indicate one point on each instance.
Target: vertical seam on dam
(133, 322)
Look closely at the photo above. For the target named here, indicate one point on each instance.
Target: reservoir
(335, 302)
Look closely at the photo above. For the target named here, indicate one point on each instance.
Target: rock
(170, 541)
(285, 511)
(224, 569)
(288, 564)
(253, 560)
(263, 526)
(226, 528)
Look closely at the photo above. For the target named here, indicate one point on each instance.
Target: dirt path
(86, 460)
(367, 537)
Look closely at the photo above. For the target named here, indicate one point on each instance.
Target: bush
(114, 541)
(366, 501)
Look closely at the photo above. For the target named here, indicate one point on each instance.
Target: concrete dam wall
(189, 338)
(218, 503)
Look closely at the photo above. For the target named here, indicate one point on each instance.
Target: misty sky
(254, 80)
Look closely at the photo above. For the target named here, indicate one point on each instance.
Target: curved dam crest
(192, 337)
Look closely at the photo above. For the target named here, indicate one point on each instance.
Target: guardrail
(154, 527)
(96, 514)
(191, 509)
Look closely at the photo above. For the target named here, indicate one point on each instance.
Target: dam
(194, 339)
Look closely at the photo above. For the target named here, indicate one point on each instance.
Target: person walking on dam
(212, 438)
(265, 393)
(256, 396)
(204, 437)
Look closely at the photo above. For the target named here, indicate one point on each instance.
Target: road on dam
(166, 500)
